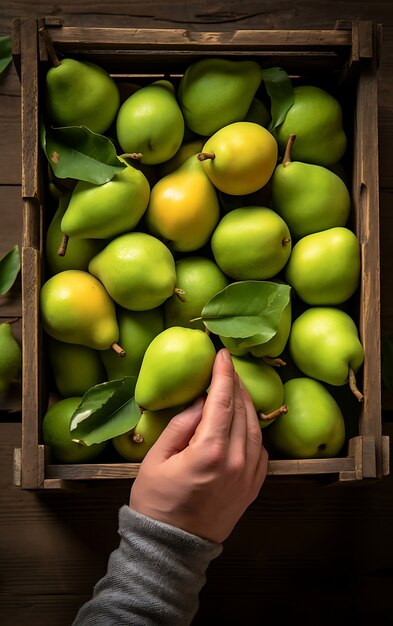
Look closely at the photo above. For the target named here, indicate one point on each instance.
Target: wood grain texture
(320, 555)
(201, 13)
(31, 370)
(332, 540)
(10, 235)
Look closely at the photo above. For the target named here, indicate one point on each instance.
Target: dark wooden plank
(385, 109)
(10, 128)
(295, 536)
(199, 14)
(10, 234)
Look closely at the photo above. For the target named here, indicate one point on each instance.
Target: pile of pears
(208, 196)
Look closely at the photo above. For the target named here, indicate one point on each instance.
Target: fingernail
(226, 355)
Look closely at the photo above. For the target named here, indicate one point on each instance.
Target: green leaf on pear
(105, 411)
(280, 90)
(9, 269)
(5, 53)
(249, 311)
(76, 152)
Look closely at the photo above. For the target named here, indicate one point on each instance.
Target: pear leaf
(249, 311)
(9, 269)
(77, 152)
(5, 53)
(280, 89)
(105, 411)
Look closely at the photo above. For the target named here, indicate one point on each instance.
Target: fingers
(261, 470)
(254, 433)
(219, 406)
(238, 430)
(178, 433)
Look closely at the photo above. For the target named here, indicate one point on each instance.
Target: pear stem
(63, 246)
(49, 46)
(286, 160)
(179, 293)
(135, 156)
(195, 319)
(118, 349)
(275, 362)
(137, 438)
(268, 417)
(203, 156)
(353, 386)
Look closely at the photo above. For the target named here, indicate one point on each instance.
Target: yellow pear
(183, 209)
(240, 158)
(75, 308)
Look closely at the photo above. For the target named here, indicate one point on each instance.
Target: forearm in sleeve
(153, 578)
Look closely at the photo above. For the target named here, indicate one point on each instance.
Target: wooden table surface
(304, 552)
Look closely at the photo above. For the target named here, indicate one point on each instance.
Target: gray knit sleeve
(153, 578)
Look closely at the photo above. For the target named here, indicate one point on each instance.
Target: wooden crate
(346, 56)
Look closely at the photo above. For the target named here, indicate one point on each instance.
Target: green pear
(215, 92)
(324, 344)
(79, 251)
(186, 150)
(176, 369)
(324, 268)
(151, 123)
(251, 243)
(310, 198)
(79, 93)
(232, 346)
(276, 345)
(56, 434)
(137, 270)
(258, 113)
(183, 209)
(316, 119)
(104, 211)
(313, 426)
(75, 368)
(272, 348)
(10, 358)
(264, 386)
(75, 308)
(200, 279)
(240, 158)
(137, 331)
(136, 443)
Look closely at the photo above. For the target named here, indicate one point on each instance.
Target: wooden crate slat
(29, 108)
(366, 207)
(30, 366)
(121, 38)
(102, 471)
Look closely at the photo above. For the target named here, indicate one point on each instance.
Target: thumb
(178, 433)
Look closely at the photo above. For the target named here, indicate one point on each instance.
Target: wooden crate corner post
(31, 256)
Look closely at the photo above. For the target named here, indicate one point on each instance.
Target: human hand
(209, 463)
